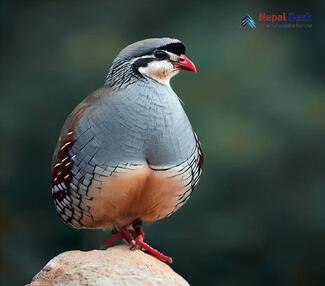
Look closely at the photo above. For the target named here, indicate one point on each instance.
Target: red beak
(184, 63)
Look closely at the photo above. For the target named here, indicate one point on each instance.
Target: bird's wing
(63, 158)
(73, 119)
(190, 171)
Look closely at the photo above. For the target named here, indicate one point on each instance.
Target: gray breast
(141, 123)
(171, 136)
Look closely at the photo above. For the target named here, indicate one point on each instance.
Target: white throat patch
(161, 71)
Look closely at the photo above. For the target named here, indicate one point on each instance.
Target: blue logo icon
(248, 21)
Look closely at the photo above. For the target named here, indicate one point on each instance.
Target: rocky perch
(114, 266)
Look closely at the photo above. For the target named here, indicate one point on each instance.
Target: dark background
(257, 103)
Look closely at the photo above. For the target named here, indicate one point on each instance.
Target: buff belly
(143, 194)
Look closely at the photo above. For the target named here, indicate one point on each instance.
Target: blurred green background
(258, 104)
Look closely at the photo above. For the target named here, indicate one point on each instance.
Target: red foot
(122, 234)
(143, 245)
(134, 239)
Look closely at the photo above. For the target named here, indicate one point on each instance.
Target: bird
(127, 154)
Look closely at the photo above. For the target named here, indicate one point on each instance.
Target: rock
(115, 266)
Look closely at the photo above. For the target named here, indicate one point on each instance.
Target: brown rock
(115, 266)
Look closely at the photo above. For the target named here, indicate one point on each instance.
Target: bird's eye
(160, 54)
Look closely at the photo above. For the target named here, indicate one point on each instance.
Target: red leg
(126, 235)
(154, 251)
(121, 234)
(138, 236)
(139, 231)
(134, 238)
(136, 233)
(114, 238)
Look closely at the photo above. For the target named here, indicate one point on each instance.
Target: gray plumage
(143, 47)
(133, 121)
(142, 123)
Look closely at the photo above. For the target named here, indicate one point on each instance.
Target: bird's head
(158, 59)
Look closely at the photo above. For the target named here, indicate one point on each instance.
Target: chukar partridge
(127, 153)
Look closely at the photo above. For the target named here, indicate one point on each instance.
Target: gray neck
(121, 75)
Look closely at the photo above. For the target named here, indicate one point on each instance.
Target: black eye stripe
(175, 48)
(141, 62)
(144, 61)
